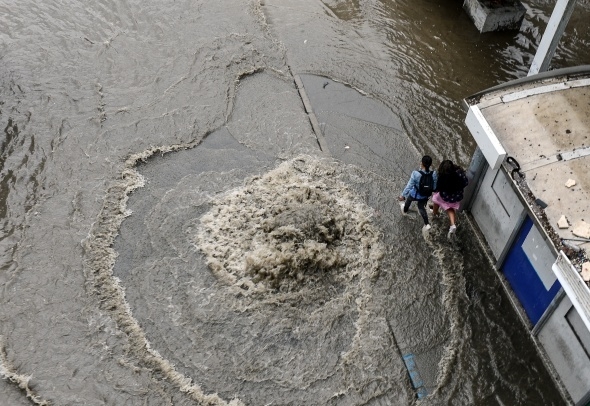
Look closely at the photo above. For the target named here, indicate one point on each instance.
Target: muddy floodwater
(173, 234)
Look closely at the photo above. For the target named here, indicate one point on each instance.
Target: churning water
(172, 234)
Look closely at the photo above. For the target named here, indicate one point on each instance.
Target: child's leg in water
(452, 216)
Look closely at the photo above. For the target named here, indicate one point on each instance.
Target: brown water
(88, 91)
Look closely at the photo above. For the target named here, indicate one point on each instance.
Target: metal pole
(557, 23)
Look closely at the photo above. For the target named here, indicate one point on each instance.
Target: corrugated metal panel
(574, 286)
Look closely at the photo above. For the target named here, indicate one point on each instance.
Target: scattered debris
(563, 223)
(571, 245)
(576, 254)
(586, 271)
(582, 229)
(570, 183)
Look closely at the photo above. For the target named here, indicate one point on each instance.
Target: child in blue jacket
(411, 191)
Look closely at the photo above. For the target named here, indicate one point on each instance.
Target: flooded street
(173, 234)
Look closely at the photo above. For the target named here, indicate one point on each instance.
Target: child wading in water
(449, 191)
(419, 188)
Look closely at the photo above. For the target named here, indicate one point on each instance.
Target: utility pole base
(495, 15)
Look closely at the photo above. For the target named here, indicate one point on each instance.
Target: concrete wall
(497, 210)
(487, 18)
(566, 341)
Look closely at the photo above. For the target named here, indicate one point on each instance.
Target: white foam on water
(9, 372)
(453, 298)
(99, 268)
(294, 226)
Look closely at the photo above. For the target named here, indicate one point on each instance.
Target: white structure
(532, 138)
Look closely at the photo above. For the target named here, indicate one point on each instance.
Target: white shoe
(452, 230)
(426, 231)
(401, 206)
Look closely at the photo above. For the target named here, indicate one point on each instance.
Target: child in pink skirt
(449, 191)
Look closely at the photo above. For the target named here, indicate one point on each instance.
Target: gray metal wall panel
(497, 210)
(563, 343)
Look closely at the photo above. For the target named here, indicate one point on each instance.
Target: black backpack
(426, 185)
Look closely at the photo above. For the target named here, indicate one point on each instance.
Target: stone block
(495, 15)
(570, 183)
(562, 222)
(582, 229)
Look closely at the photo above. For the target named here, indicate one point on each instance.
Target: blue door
(528, 270)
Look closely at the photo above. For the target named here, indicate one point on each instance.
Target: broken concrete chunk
(582, 229)
(495, 15)
(570, 183)
(562, 222)
(586, 271)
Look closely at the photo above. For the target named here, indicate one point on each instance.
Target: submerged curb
(312, 117)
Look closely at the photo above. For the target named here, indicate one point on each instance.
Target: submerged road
(126, 124)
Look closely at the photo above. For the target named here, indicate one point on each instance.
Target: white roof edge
(486, 140)
(574, 286)
(554, 87)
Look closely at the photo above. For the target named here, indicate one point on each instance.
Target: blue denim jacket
(411, 188)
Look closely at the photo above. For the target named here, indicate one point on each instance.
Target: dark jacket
(450, 186)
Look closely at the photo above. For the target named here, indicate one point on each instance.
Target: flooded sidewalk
(126, 126)
(399, 328)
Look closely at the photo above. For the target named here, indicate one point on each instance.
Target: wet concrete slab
(359, 129)
(329, 95)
